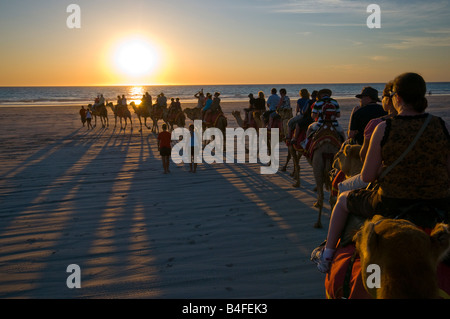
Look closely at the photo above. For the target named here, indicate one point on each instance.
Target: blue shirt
(207, 104)
(302, 105)
(273, 101)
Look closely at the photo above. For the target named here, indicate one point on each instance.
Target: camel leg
(288, 158)
(318, 224)
(140, 123)
(319, 204)
(318, 168)
(296, 159)
(131, 123)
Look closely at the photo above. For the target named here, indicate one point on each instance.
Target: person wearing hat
(369, 109)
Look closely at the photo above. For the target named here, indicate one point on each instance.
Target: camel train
(155, 113)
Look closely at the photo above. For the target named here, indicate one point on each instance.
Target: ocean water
(60, 96)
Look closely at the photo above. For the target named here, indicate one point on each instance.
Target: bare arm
(373, 162)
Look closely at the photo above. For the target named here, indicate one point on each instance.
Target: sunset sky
(221, 42)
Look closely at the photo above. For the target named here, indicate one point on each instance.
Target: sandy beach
(99, 199)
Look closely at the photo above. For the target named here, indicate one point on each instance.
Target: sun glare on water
(135, 57)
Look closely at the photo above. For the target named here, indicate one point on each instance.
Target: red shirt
(165, 138)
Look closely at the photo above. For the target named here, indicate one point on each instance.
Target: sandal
(323, 264)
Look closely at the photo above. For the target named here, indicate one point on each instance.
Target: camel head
(236, 114)
(407, 257)
(193, 114)
(285, 113)
(348, 160)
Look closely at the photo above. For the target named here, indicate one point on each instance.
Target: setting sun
(135, 57)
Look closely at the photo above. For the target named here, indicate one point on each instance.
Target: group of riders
(146, 103)
(312, 112)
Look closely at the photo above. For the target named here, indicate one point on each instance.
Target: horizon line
(201, 84)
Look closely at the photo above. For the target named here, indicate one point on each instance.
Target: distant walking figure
(88, 119)
(165, 147)
(83, 115)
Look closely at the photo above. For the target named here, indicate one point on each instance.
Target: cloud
(321, 6)
(414, 42)
(380, 58)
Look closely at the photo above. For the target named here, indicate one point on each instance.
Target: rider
(249, 110)
(321, 115)
(208, 104)
(123, 101)
(96, 102)
(175, 107)
(215, 106)
(119, 102)
(272, 103)
(101, 101)
(285, 103)
(148, 98)
(201, 99)
(161, 101)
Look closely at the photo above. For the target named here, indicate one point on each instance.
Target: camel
(407, 257)
(348, 161)
(141, 111)
(324, 145)
(179, 119)
(101, 112)
(286, 115)
(220, 123)
(282, 124)
(156, 114)
(295, 151)
(194, 113)
(256, 116)
(121, 112)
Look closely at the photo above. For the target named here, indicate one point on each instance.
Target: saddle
(325, 134)
(173, 116)
(251, 122)
(158, 111)
(297, 145)
(212, 118)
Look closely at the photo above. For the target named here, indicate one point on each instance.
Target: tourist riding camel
(412, 152)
